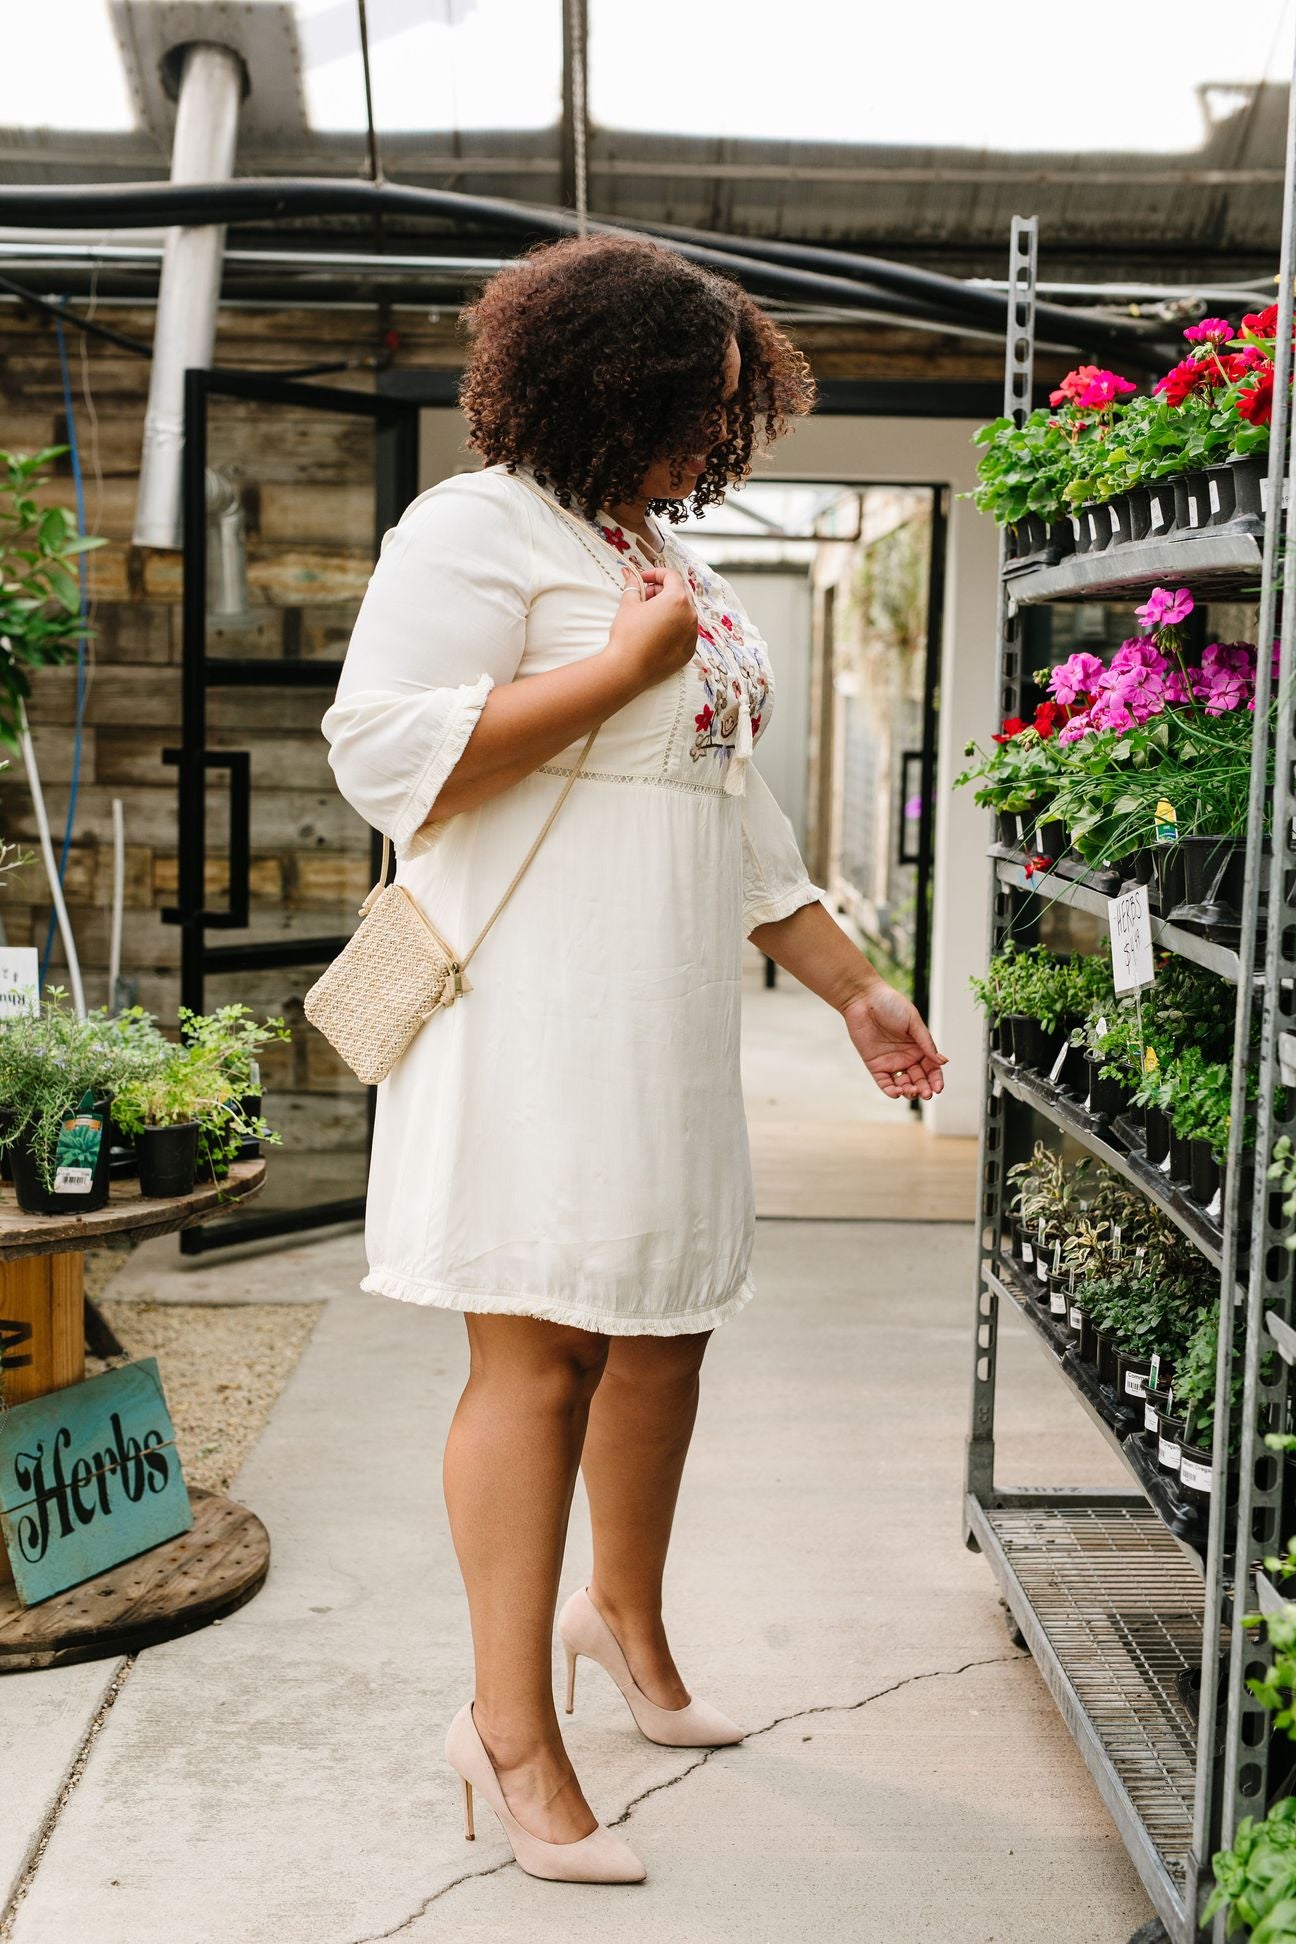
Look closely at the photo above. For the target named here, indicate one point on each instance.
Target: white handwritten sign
(19, 980)
(1131, 940)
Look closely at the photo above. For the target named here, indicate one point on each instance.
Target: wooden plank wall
(306, 490)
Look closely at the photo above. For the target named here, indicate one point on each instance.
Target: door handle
(903, 854)
(237, 763)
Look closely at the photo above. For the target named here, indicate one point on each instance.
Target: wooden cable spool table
(185, 1582)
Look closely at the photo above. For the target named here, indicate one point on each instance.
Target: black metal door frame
(396, 427)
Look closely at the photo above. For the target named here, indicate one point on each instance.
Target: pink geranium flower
(1078, 727)
(1137, 652)
(1228, 657)
(1211, 330)
(1225, 693)
(1072, 385)
(1075, 678)
(1163, 609)
(1103, 389)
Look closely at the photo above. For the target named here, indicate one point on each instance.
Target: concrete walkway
(279, 1777)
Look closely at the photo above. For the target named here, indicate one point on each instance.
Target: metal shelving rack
(1118, 1611)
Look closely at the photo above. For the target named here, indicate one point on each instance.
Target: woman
(562, 1154)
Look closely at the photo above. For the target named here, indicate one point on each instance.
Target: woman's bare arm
(886, 1029)
(524, 723)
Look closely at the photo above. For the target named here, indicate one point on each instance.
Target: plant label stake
(1130, 920)
(19, 981)
(1056, 1074)
(77, 1151)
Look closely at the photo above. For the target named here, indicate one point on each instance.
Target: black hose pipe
(262, 199)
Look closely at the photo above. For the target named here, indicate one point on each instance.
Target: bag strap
(573, 773)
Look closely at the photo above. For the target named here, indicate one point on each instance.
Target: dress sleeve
(442, 621)
(775, 881)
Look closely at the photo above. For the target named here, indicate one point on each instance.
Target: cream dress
(568, 1140)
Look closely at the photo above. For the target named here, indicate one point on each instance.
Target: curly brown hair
(593, 358)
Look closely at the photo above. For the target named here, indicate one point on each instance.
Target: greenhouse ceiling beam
(764, 266)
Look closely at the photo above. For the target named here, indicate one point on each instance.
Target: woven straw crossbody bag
(397, 971)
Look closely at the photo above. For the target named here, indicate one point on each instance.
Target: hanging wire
(375, 160)
(578, 41)
(83, 582)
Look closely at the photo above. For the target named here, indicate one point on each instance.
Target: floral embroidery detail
(730, 667)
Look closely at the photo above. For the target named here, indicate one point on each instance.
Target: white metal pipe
(51, 867)
(206, 137)
(118, 900)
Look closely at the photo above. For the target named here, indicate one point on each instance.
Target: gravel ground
(223, 1366)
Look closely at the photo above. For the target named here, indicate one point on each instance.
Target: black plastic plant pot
(1132, 1375)
(1008, 1033)
(1167, 860)
(1073, 1075)
(1249, 475)
(1161, 506)
(1107, 1355)
(1030, 1043)
(34, 1198)
(1061, 537)
(1170, 1432)
(1088, 1338)
(1195, 1471)
(7, 1118)
(1180, 1160)
(1074, 1320)
(1153, 1404)
(1052, 838)
(168, 1160)
(1156, 1135)
(1098, 519)
(1221, 491)
(1140, 512)
(1008, 829)
(1080, 533)
(1204, 1172)
(1041, 1277)
(249, 1148)
(1107, 1097)
(1229, 882)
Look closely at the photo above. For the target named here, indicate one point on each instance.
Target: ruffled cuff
(408, 837)
(773, 909)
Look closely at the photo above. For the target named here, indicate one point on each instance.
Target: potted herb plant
(165, 1111)
(56, 1079)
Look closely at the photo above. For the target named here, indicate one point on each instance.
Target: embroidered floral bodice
(731, 674)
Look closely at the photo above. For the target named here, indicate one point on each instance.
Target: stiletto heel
(600, 1857)
(583, 1630)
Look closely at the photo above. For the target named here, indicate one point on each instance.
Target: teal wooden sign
(89, 1476)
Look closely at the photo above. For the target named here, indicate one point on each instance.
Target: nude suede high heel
(583, 1630)
(600, 1857)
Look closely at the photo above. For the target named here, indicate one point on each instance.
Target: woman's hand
(655, 632)
(889, 1035)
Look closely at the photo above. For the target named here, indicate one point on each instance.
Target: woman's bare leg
(640, 1424)
(510, 1471)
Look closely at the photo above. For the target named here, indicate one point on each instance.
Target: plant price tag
(19, 980)
(77, 1150)
(1131, 940)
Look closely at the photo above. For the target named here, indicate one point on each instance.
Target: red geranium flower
(1034, 864)
(1256, 402)
(1047, 717)
(1183, 380)
(1261, 323)
(1012, 727)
